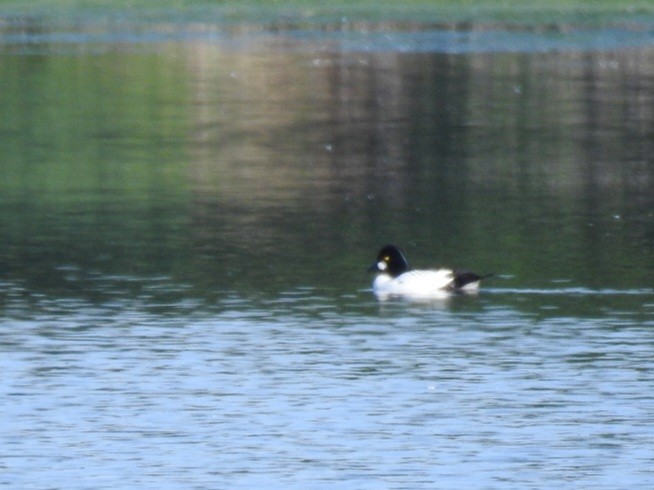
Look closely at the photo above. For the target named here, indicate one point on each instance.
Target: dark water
(186, 222)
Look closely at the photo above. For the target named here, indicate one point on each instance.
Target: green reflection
(86, 122)
(265, 170)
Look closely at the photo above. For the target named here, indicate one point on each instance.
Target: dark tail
(462, 278)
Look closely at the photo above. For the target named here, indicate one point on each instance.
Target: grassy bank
(514, 11)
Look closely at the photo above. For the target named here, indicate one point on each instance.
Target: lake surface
(188, 207)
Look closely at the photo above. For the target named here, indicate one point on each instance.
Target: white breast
(418, 283)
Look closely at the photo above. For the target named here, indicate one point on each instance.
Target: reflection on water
(185, 230)
(225, 169)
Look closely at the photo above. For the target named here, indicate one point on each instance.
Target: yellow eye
(387, 258)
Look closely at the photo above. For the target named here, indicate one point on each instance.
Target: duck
(396, 278)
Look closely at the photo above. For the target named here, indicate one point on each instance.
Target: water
(314, 391)
(186, 222)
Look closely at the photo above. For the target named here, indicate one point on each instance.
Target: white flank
(471, 287)
(427, 283)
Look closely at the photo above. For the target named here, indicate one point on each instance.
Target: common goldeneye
(394, 278)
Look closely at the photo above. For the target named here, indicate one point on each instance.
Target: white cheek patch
(381, 265)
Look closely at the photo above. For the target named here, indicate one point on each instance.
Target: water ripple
(309, 388)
